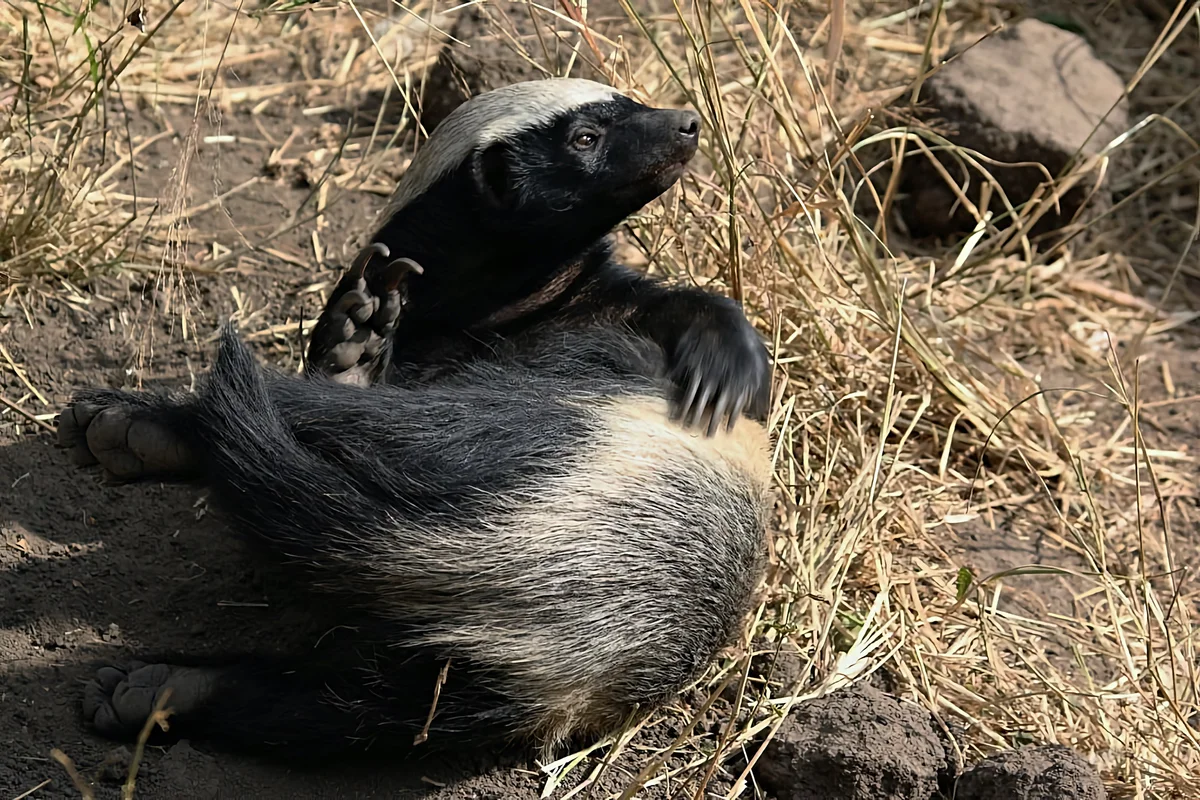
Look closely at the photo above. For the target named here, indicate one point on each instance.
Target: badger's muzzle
(668, 140)
(685, 124)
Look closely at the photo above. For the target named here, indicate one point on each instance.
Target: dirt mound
(856, 744)
(1045, 772)
(864, 744)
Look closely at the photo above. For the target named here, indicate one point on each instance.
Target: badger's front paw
(121, 435)
(720, 369)
(351, 340)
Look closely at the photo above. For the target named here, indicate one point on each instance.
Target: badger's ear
(494, 175)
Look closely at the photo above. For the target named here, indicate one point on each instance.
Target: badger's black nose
(689, 126)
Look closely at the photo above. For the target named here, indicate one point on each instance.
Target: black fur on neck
(475, 265)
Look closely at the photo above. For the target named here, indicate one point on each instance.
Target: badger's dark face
(512, 214)
(589, 169)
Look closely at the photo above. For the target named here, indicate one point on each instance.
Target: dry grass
(912, 405)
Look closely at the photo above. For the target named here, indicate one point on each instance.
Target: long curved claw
(392, 273)
(718, 414)
(358, 267)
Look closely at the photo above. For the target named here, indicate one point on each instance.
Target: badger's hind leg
(293, 707)
(131, 436)
(117, 702)
(249, 704)
(351, 342)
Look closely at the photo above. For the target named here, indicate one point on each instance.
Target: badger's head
(518, 180)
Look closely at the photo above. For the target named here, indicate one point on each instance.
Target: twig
(159, 718)
(20, 373)
(41, 785)
(26, 414)
(437, 692)
(576, 17)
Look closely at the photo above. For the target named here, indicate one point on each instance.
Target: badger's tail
(235, 408)
(290, 497)
(312, 509)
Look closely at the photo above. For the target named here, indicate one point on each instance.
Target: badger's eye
(584, 141)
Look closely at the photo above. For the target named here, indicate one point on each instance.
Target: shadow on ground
(94, 573)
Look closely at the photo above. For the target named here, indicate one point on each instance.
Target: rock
(1031, 93)
(487, 61)
(492, 56)
(1044, 772)
(855, 744)
(115, 767)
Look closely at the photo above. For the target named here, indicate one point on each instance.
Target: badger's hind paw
(117, 702)
(350, 342)
(122, 439)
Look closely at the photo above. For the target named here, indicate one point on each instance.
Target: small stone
(493, 57)
(1032, 93)
(115, 768)
(855, 744)
(460, 72)
(1038, 772)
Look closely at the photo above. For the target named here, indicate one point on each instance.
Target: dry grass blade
(81, 785)
(40, 423)
(158, 718)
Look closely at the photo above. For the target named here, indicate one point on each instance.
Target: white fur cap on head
(491, 117)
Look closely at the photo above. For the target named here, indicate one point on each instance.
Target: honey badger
(507, 210)
(513, 506)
